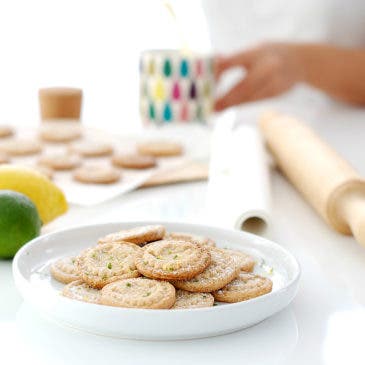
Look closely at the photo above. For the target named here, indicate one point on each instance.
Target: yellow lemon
(47, 197)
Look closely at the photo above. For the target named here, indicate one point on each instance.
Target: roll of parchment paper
(239, 185)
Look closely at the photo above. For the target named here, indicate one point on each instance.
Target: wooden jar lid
(60, 102)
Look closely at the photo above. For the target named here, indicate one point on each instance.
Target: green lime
(19, 222)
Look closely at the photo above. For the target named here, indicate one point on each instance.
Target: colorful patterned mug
(175, 87)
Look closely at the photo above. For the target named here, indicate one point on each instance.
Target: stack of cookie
(64, 146)
(147, 267)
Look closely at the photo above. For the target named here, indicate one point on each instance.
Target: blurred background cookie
(45, 170)
(20, 147)
(60, 161)
(92, 148)
(160, 148)
(60, 131)
(6, 131)
(4, 158)
(133, 161)
(96, 174)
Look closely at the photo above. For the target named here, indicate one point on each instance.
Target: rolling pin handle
(352, 210)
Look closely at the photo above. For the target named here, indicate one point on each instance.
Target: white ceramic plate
(32, 277)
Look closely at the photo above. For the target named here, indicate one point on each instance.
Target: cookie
(139, 293)
(160, 148)
(172, 260)
(60, 161)
(186, 299)
(60, 131)
(65, 270)
(109, 262)
(41, 169)
(91, 148)
(4, 158)
(96, 174)
(47, 171)
(137, 235)
(190, 238)
(222, 270)
(245, 286)
(6, 131)
(79, 290)
(20, 147)
(244, 261)
(133, 161)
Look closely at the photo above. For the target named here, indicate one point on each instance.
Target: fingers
(243, 59)
(244, 95)
(244, 90)
(233, 97)
(268, 90)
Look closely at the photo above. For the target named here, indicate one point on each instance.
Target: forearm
(340, 72)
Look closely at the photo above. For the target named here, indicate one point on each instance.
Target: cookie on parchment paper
(91, 148)
(96, 174)
(6, 131)
(160, 148)
(20, 147)
(4, 158)
(60, 131)
(60, 161)
(133, 161)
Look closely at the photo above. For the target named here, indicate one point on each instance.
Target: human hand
(271, 69)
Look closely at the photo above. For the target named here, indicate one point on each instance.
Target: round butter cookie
(45, 170)
(20, 147)
(60, 161)
(244, 261)
(65, 270)
(60, 131)
(160, 148)
(186, 299)
(4, 158)
(137, 235)
(79, 290)
(133, 161)
(139, 293)
(222, 270)
(245, 286)
(109, 262)
(96, 174)
(6, 131)
(180, 236)
(92, 148)
(172, 260)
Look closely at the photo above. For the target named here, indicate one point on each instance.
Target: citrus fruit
(19, 222)
(47, 197)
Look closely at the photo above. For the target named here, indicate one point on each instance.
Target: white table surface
(324, 324)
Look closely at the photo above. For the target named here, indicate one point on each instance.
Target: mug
(175, 86)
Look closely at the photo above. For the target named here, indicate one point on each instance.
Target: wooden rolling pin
(327, 181)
